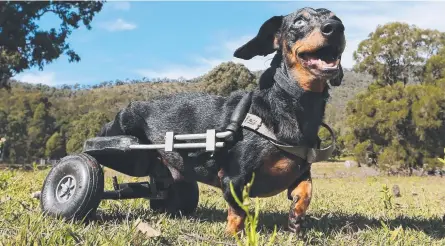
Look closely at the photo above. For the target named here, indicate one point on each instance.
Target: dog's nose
(331, 27)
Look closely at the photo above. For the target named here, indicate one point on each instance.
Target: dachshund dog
(290, 100)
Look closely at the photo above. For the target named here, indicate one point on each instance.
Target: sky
(132, 40)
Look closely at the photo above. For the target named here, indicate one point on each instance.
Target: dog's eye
(299, 23)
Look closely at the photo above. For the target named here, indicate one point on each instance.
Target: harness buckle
(252, 121)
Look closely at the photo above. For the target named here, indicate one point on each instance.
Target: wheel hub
(66, 188)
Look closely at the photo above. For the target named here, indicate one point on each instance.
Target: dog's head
(311, 42)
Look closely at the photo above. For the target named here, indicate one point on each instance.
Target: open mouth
(325, 59)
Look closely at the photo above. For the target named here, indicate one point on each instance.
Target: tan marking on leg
(279, 170)
(277, 167)
(304, 192)
(235, 221)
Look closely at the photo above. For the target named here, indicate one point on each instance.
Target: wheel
(182, 198)
(73, 188)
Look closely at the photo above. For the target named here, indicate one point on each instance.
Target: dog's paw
(232, 230)
(295, 223)
(295, 220)
(234, 224)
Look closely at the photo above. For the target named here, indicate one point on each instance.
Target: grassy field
(348, 208)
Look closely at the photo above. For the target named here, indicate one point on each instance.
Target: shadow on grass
(328, 224)
(344, 223)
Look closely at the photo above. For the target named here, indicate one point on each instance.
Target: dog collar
(286, 83)
(311, 155)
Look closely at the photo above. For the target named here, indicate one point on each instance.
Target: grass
(252, 236)
(348, 208)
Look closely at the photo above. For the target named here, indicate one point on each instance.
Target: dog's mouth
(324, 60)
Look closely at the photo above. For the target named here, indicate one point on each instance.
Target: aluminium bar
(225, 134)
(190, 136)
(201, 136)
(175, 146)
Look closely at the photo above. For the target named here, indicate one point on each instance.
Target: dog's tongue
(317, 62)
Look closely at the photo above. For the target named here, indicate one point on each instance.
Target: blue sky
(186, 39)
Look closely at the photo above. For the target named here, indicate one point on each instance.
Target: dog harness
(255, 123)
(311, 155)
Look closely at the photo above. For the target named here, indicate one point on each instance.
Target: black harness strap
(311, 155)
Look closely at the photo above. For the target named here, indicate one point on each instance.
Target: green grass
(344, 211)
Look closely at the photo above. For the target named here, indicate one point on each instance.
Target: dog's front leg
(235, 215)
(300, 193)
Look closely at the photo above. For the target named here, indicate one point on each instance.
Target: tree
(3, 123)
(38, 130)
(396, 52)
(435, 68)
(87, 126)
(228, 77)
(16, 148)
(403, 125)
(23, 44)
(55, 146)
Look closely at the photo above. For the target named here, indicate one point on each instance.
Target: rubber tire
(87, 195)
(182, 199)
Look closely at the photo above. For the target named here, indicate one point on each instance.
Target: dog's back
(184, 113)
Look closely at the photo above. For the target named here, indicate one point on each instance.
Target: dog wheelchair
(74, 187)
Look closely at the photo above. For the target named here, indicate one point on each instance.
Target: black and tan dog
(291, 102)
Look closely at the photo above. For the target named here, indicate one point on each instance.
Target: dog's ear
(336, 81)
(264, 42)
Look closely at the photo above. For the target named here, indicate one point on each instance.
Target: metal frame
(149, 190)
(210, 144)
(134, 190)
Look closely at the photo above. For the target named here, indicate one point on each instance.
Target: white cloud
(47, 78)
(118, 5)
(359, 18)
(117, 25)
(175, 72)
